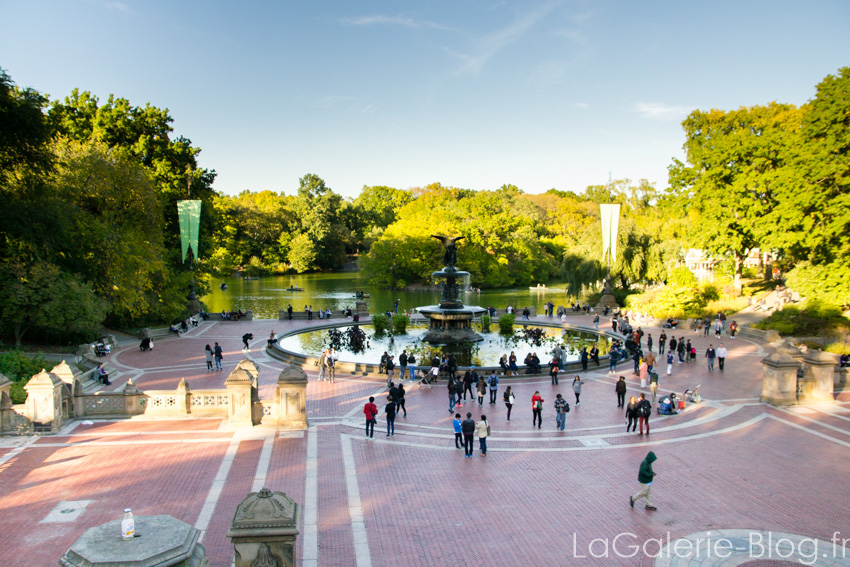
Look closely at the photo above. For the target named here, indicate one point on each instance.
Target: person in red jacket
(537, 409)
(370, 410)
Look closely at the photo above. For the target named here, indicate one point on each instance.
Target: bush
(400, 322)
(710, 291)
(485, 323)
(812, 318)
(19, 368)
(381, 323)
(682, 277)
(506, 324)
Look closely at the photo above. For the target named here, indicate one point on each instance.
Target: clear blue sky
(467, 93)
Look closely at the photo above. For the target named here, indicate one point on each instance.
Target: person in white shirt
(721, 356)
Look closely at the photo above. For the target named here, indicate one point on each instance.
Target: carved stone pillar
(263, 530)
(44, 402)
(133, 399)
(239, 385)
(817, 383)
(184, 398)
(779, 382)
(291, 398)
(5, 404)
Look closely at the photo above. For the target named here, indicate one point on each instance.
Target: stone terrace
(729, 467)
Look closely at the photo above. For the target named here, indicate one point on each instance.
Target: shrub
(682, 277)
(709, 291)
(400, 322)
(485, 323)
(506, 324)
(19, 368)
(812, 318)
(381, 323)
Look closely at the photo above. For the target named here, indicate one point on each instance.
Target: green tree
(302, 253)
(24, 133)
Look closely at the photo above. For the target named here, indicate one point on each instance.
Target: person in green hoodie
(645, 477)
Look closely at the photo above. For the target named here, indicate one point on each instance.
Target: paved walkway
(771, 481)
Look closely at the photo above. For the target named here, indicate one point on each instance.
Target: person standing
(596, 321)
(289, 311)
(218, 356)
(643, 372)
(208, 353)
(620, 388)
(653, 384)
(721, 356)
(718, 328)
(458, 432)
(577, 382)
(561, 409)
(371, 412)
(390, 410)
(494, 387)
(452, 393)
(644, 410)
(632, 414)
(390, 368)
(688, 357)
(400, 399)
(553, 371)
(733, 329)
(710, 355)
(673, 344)
(537, 410)
(467, 427)
(613, 355)
(482, 391)
(469, 378)
(584, 359)
(646, 477)
(482, 428)
(411, 364)
(331, 362)
(662, 342)
(649, 342)
(395, 305)
(508, 396)
(670, 361)
(680, 350)
(402, 364)
(323, 367)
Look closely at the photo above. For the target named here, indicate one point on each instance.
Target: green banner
(189, 213)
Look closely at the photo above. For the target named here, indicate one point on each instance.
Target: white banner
(610, 224)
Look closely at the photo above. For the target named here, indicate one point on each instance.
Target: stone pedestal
(291, 399)
(133, 398)
(817, 383)
(5, 404)
(263, 530)
(161, 541)
(779, 385)
(44, 402)
(360, 308)
(841, 379)
(607, 300)
(184, 398)
(239, 385)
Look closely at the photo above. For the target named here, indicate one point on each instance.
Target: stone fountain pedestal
(450, 322)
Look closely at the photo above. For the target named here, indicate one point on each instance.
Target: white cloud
(663, 112)
(582, 105)
(391, 21)
(119, 6)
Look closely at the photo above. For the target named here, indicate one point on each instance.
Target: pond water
(266, 296)
(483, 353)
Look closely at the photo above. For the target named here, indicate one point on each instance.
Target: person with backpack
(482, 428)
(390, 410)
(509, 400)
(411, 365)
(646, 476)
(458, 431)
(494, 386)
(537, 409)
(632, 414)
(371, 412)
(620, 388)
(644, 410)
(402, 364)
(561, 410)
(467, 427)
(553, 371)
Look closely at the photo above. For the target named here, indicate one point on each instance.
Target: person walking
(646, 477)
(649, 342)
(452, 385)
(721, 357)
(670, 361)
(323, 368)
(482, 428)
(620, 388)
(596, 321)
(467, 427)
(644, 410)
(718, 328)
(208, 353)
(400, 399)
(494, 387)
(653, 384)
(458, 432)
(673, 344)
(688, 357)
(217, 352)
(613, 355)
(632, 414)
(706, 326)
(662, 342)
(710, 355)
(553, 371)
(390, 410)
(733, 329)
(482, 391)
(537, 410)
(643, 372)
(371, 412)
(390, 368)
(561, 409)
(577, 382)
(331, 364)
(508, 396)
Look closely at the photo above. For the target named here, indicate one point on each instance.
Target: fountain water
(450, 322)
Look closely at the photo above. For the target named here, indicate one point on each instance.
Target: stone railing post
(133, 397)
(184, 398)
(239, 385)
(263, 530)
(779, 382)
(841, 379)
(44, 402)
(291, 398)
(817, 383)
(5, 404)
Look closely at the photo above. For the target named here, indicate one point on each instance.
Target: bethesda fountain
(450, 322)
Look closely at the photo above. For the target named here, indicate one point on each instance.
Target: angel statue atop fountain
(451, 250)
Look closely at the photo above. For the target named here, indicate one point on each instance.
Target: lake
(267, 295)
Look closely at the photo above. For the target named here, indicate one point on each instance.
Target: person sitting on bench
(102, 375)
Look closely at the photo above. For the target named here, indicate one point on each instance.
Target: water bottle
(128, 526)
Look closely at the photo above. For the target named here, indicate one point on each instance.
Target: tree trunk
(739, 273)
(768, 267)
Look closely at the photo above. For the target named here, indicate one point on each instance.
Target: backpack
(644, 410)
(567, 407)
(494, 381)
(538, 405)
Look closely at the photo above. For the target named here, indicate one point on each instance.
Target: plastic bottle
(128, 525)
